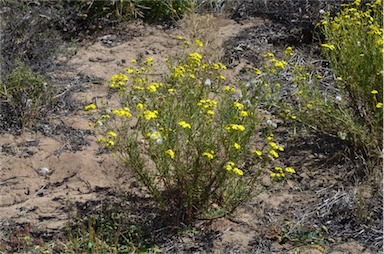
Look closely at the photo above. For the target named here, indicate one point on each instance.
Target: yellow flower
(184, 124)
(133, 60)
(150, 114)
(238, 105)
(289, 51)
(238, 171)
(229, 165)
(90, 107)
(152, 88)
(122, 112)
(237, 146)
(269, 54)
(112, 134)
(179, 37)
(290, 170)
(237, 127)
(199, 43)
(257, 71)
(194, 58)
(257, 152)
(170, 153)
(209, 155)
(140, 106)
(244, 113)
(273, 154)
(110, 143)
(379, 105)
(149, 61)
(374, 92)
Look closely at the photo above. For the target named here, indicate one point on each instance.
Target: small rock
(44, 171)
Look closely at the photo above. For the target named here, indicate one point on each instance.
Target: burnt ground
(316, 211)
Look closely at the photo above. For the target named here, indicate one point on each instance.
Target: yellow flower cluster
(118, 81)
(273, 148)
(287, 114)
(278, 173)
(238, 105)
(231, 167)
(229, 89)
(148, 114)
(90, 107)
(289, 51)
(178, 72)
(122, 112)
(208, 105)
(152, 87)
(194, 59)
(278, 63)
(184, 124)
(236, 127)
(219, 66)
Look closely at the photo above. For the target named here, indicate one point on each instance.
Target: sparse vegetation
(201, 145)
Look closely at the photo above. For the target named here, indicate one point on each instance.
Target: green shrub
(345, 101)
(197, 144)
(23, 96)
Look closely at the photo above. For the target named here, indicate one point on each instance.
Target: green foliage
(315, 238)
(23, 96)
(110, 232)
(344, 102)
(192, 143)
(354, 50)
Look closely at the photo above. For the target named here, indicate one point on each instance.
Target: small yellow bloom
(339, 78)
(379, 105)
(289, 51)
(269, 54)
(257, 152)
(273, 154)
(199, 43)
(149, 61)
(237, 146)
(238, 105)
(238, 171)
(170, 153)
(110, 143)
(209, 155)
(290, 170)
(184, 124)
(90, 107)
(179, 37)
(112, 134)
(257, 71)
(140, 106)
(374, 92)
(134, 61)
(236, 127)
(244, 113)
(150, 114)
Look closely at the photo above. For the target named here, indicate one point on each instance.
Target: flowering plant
(190, 136)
